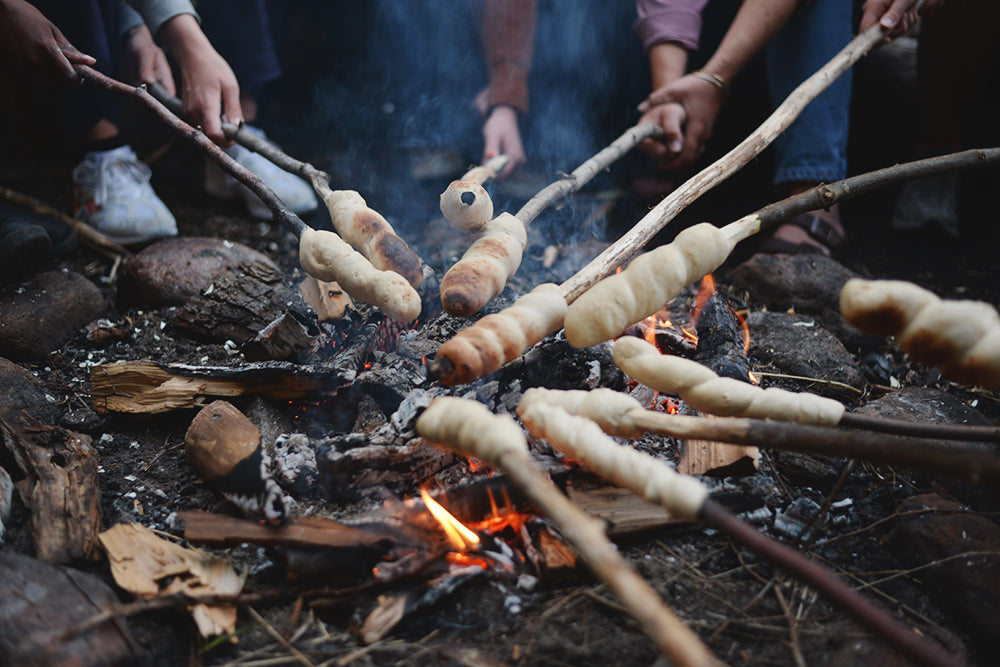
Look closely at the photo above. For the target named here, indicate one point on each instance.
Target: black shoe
(24, 246)
(63, 236)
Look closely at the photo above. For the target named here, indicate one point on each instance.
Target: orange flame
(458, 534)
(705, 292)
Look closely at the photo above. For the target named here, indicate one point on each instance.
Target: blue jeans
(814, 148)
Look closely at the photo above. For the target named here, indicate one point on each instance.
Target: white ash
(294, 461)
(6, 500)
(797, 517)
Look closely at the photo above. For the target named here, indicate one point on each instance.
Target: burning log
(620, 415)
(617, 253)
(961, 337)
(148, 387)
(484, 269)
(465, 203)
(472, 428)
(582, 440)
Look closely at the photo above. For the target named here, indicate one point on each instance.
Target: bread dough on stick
(607, 407)
(326, 256)
(962, 338)
(583, 441)
(484, 269)
(706, 392)
(465, 202)
(471, 428)
(649, 281)
(485, 346)
(365, 229)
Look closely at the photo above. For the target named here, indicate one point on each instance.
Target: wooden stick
(472, 429)
(281, 213)
(582, 440)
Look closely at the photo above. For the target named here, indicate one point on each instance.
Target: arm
(31, 44)
(701, 94)
(508, 43)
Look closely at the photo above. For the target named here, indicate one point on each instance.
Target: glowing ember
(461, 537)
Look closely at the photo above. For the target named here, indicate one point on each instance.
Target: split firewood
(620, 415)
(148, 566)
(960, 337)
(652, 279)
(705, 391)
(372, 235)
(328, 299)
(227, 451)
(148, 387)
(471, 428)
(465, 203)
(582, 440)
(627, 246)
(481, 349)
(329, 258)
(484, 269)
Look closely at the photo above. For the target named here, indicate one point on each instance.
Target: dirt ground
(742, 608)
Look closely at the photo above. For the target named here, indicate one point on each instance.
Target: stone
(44, 312)
(170, 272)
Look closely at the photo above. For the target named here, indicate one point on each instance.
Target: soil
(742, 608)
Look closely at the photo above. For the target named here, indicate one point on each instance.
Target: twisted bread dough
(652, 279)
(484, 269)
(469, 427)
(609, 408)
(583, 441)
(705, 391)
(326, 256)
(365, 229)
(496, 339)
(960, 337)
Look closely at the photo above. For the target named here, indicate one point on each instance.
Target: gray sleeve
(127, 18)
(156, 12)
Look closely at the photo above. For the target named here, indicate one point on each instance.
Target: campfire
(399, 435)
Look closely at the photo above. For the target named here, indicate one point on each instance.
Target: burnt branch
(281, 212)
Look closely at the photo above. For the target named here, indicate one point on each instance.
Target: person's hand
(671, 117)
(895, 16)
(144, 62)
(30, 44)
(501, 136)
(209, 89)
(699, 102)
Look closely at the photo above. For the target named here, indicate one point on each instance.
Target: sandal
(818, 228)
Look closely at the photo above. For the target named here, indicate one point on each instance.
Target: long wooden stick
(582, 440)
(471, 428)
(281, 212)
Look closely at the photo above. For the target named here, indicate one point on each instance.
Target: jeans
(814, 147)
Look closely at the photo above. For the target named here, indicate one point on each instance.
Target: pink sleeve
(669, 21)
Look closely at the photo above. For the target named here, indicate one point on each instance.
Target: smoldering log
(721, 338)
(149, 387)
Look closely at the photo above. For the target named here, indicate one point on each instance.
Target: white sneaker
(296, 193)
(111, 192)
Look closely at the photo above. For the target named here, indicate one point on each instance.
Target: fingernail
(490, 154)
(643, 106)
(675, 146)
(888, 22)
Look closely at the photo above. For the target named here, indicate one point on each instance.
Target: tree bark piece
(61, 488)
(148, 387)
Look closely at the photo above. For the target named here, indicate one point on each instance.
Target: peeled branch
(484, 347)
(465, 202)
(962, 338)
(365, 229)
(706, 392)
(325, 256)
(484, 269)
(603, 311)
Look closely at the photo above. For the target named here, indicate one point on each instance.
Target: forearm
(182, 38)
(755, 24)
(667, 63)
